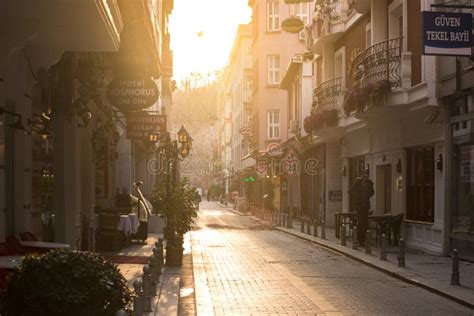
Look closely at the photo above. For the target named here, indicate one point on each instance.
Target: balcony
(324, 121)
(376, 72)
(326, 94)
(331, 18)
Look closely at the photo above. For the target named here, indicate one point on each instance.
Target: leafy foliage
(65, 282)
(178, 201)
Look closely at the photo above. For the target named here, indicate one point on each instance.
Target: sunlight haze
(203, 33)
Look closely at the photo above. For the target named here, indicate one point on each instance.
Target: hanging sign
(297, 1)
(447, 33)
(132, 94)
(292, 25)
(141, 124)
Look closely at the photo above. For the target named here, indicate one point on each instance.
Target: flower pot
(174, 256)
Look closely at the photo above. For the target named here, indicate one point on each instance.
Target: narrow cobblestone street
(242, 267)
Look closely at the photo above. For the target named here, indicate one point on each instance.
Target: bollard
(455, 272)
(153, 273)
(323, 230)
(147, 282)
(368, 248)
(315, 232)
(401, 253)
(158, 262)
(146, 285)
(308, 227)
(138, 298)
(302, 225)
(159, 246)
(343, 235)
(355, 241)
(383, 248)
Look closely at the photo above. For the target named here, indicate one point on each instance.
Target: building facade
(61, 140)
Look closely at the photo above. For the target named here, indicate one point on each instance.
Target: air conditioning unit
(302, 35)
(294, 126)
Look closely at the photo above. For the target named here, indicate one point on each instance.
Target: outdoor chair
(3, 249)
(392, 227)
(28, 236)
(14, 247)
(108, 236)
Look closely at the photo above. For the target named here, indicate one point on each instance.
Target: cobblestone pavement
(242, 267)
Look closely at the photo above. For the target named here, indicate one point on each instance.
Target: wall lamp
(40, 125)
(398, 166)
(439, 163)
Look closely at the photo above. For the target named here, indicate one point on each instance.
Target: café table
(125, 224)
(44, 245)
(347, 218)
(10, 262)
(135, 222)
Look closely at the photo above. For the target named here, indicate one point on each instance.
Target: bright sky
(202, 33)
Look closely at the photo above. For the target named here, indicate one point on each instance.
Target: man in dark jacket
(362, 190)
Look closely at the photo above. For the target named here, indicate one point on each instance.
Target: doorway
(384, 189)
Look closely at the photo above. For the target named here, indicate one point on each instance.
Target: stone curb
(396, 273)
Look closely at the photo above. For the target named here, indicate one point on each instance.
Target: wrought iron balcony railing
(326, 94)
(380, 61)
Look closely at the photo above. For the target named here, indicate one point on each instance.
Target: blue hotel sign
(447, 33)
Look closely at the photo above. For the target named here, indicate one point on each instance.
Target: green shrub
(65, 282)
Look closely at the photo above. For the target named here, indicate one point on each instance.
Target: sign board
(297, 1)
(250, 179)
(102, 171)
(447, 33)
(292, 25)
(140, 125)
(132, 94)
(335, 195)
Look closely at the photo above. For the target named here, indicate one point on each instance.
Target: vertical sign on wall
(102, 172)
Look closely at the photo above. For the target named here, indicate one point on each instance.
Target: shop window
(420, 184)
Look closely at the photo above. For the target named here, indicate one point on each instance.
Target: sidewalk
(167, 299)
(424, 270)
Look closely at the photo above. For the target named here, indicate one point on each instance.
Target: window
(420, 184)
(302, 11)
(273, 16)
(368, 35)
(273, 131)
(273, 69)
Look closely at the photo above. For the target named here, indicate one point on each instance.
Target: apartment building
(272, 51)
(373, 98)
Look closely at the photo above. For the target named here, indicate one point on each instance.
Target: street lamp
(183, 136)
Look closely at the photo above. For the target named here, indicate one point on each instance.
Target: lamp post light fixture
(183, 136)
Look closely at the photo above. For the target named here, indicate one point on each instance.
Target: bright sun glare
(203, 33)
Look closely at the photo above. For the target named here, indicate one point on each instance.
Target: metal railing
(327, 93)
(380, 61)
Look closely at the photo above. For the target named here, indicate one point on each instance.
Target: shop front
(461, 217)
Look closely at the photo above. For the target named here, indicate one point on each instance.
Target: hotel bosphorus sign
(132, 94)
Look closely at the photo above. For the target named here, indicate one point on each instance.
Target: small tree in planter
(178, 202)
(64, 282)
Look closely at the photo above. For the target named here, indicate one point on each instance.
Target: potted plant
(65, 282)
(178, 202)
(331, 117)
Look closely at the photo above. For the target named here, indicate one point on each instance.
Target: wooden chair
(108, 236)
(391, 227)
(14, 246)
(4, 249)
(28, 236)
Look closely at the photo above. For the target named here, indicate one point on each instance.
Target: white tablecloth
(134, 222)
(10, 262)
(125, 224)
(44, 244)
